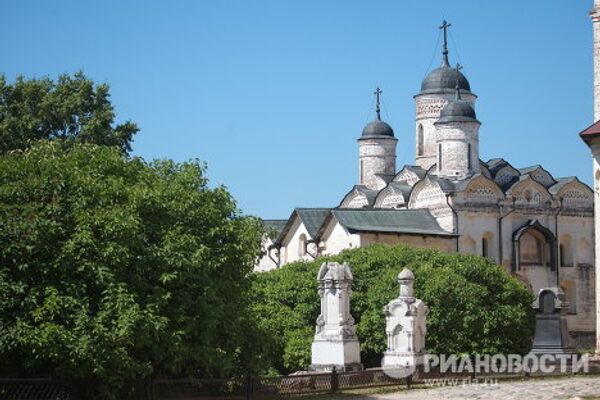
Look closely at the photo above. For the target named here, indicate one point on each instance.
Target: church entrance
(534, 261)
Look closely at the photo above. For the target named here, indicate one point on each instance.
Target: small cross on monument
(445, 25)
(377, 94)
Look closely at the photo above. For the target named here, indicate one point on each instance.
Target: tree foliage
(73, 108)
(113, 268)
(475, 306)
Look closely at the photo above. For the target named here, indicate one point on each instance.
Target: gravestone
(335, 343)
(551, 332)
(405, 326)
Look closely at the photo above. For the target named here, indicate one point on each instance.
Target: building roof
(443, 80)
(562, 182)
(457, 110)
(419, 222)
(530, 169)
(591, 132)
(312, 218)
(274, 226)
(369, 194)
(377, 128)
(399, 187)
(420, 172)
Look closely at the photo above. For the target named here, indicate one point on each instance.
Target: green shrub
(476, 307)
(113, 269)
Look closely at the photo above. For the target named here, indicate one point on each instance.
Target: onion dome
(377, 127)
(457, 110)
(443, 80)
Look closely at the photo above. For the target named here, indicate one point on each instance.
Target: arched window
(439, 157)
(566, 251)
(420, 140)
(485, 250)
(302, 245)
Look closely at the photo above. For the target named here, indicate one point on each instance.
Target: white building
(591, 136)
(540, 228)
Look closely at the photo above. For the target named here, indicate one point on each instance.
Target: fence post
(408, 382)
(334, 380)
(249, 387)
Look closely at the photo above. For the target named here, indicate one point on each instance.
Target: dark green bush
(476, 307)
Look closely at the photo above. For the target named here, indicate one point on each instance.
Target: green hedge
(476, 307)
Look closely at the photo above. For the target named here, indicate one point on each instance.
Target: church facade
(537, 226)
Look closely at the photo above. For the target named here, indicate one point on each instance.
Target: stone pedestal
(405, 326)
(551, 332)
(335, 343)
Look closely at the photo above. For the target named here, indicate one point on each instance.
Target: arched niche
(534, 255)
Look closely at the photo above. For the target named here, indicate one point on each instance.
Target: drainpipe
(556, 238)
(500, 245)
(277, 261)
(314, 256)
(456, 214)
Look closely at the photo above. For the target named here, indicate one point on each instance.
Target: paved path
(534, 389)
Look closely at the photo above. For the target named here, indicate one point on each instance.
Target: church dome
(444, 80)
(378, 128)
(457, 110)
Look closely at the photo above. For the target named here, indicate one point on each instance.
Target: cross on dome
(377, 94)
(445, 25)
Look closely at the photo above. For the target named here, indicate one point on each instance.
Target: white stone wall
(455, 139)
(428, 108)
(265, 263)
(337, 238)
(429, 195)
(473, 227)
(377, 156)
(290, 250)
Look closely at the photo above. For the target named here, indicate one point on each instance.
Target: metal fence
(34, 389)
(272, 387)
(276, 387)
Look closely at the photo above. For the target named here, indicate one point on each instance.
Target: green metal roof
(312, 218)
(274, 226)
(394, 221)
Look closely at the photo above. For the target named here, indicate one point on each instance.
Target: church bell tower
(437, 89)
(377, 151)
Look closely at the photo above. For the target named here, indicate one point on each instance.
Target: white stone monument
(405, 326)
(335, 344)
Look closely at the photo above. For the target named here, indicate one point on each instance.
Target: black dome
(444, 80)
(378, 128)
(457, 111)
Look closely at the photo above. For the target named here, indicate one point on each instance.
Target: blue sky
(273, 94)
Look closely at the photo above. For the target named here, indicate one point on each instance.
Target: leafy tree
(475, 306)
(113, 269)
(73, 108)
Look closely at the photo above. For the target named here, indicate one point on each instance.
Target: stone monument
(335, 343)
(551, 333)
(405, 326)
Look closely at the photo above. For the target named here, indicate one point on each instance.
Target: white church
(539, 227)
